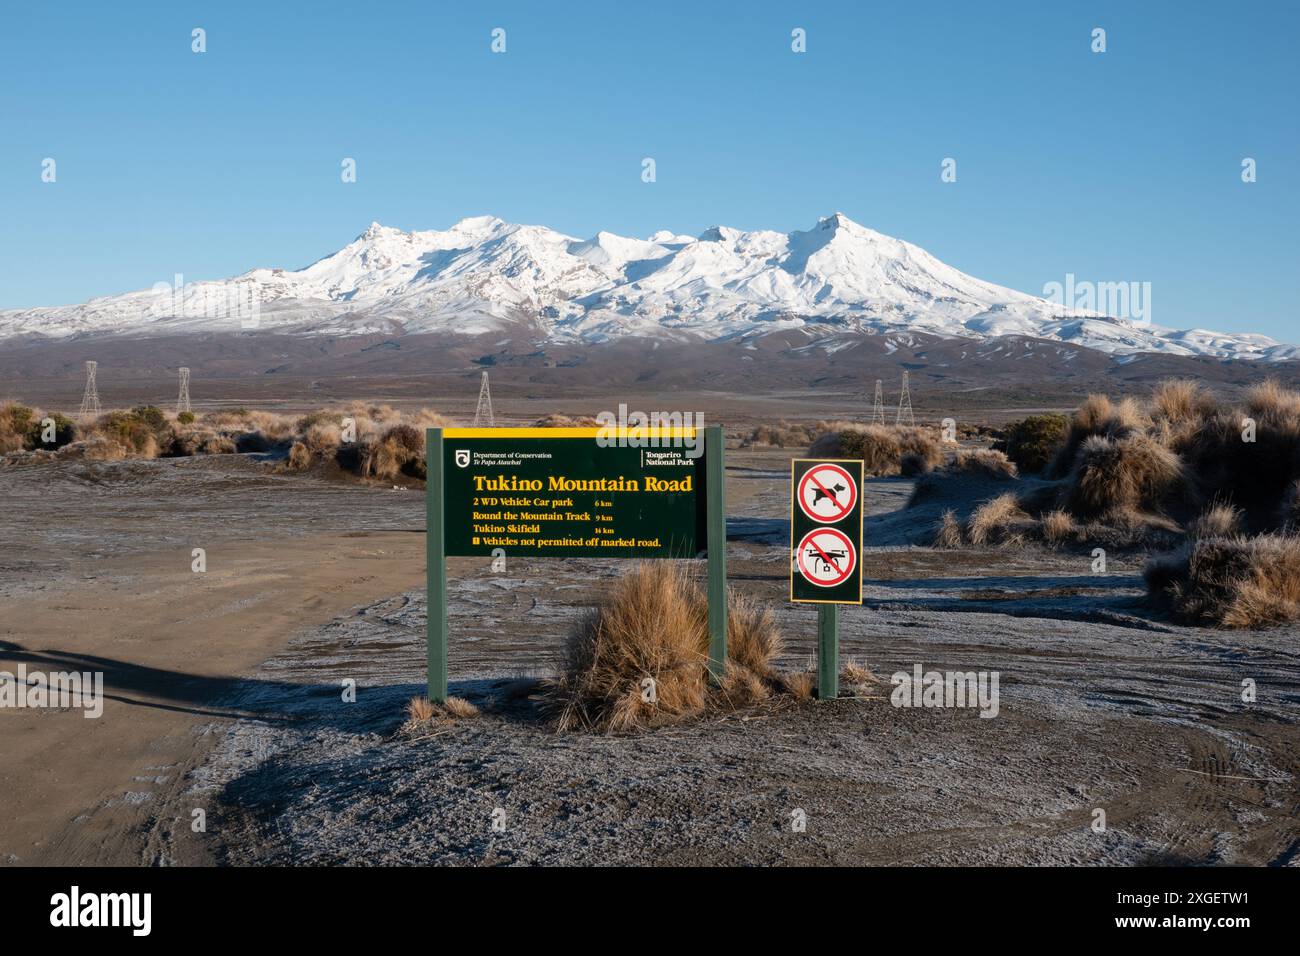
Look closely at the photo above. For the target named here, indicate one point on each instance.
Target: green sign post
(573, 492)
(826, 551)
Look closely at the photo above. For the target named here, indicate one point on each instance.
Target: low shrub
(1032, 443)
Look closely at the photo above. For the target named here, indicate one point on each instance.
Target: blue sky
(1122, 166)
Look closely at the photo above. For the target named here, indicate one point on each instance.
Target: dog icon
(833, 493)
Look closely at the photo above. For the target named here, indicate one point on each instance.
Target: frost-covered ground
(1103, 706)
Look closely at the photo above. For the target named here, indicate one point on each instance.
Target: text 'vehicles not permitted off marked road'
(826, 531)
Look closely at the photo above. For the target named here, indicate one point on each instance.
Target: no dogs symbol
(826, 557)
(827, 493)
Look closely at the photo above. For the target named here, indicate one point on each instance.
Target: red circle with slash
(819, 493)
(826, 557)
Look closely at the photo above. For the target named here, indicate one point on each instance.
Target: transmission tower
(483, 414)
(183, 400)
(878, 406)
(90, 400)
(905, 404)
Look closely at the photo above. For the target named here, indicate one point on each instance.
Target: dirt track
(1103, 705)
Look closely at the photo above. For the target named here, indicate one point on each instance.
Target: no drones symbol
(827, 557)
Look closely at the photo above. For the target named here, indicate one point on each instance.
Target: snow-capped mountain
(485, 275)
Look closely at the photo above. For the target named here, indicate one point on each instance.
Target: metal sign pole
(828, 651)
(715, 463)
(436, 573)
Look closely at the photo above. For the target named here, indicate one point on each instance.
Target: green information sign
(574, 492)
(566, 492)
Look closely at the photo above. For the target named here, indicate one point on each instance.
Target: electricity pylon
(878, 407)
(905, 404)
(483, 414)
(183, 400)
(90, 400)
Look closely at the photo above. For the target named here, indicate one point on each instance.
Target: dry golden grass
(641, 657)
(556, 420)
(882, 448)
(460, 708)
(15, 426)
(652, 628)
(856, 675)
(381, 443)
(998, 521)
(1217, 521)
(1181, 401)
(741, 686)
(321, 439)
(1120, 476)
(420, 709)
(801, 685)
(786, 434)
(948, 534)
(299, 457)
(1232, 582)
(984, 461)
(753, 640)
(421, 712)
(1098, 416)
(1057, 526)
(1272, 403)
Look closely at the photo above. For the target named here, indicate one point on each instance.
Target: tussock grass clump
(787, 434)
(1098, 416)
(1000, 520)
(857, 676)
(1181, 401)
(556, 420)
(1123, 476)
(1032, 443)
(370, 441)
(640, 658)
(143, 432)
(882, 448)
(652, 628)
(299, 457)
(984, 461)
(23, 428)
(1217, 521)
(15, 427)
(801, 685)
(1231, 582)
(948, 534)
(1058, 526)
(420, 712)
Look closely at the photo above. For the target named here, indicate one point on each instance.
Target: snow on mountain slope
(484, 275)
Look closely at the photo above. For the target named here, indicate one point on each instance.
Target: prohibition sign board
(827, 493)
(826, 557)
(826, 531)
